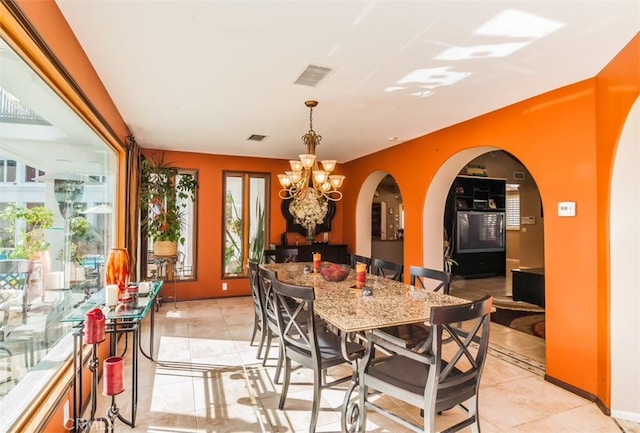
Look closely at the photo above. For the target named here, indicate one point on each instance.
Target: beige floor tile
(207, 379)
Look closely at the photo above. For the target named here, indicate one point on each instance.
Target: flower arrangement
(308, 212)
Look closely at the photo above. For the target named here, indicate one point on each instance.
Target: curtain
(132, 223)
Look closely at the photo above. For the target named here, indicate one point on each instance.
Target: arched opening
(624, 278)
(387, 221)
(498, 165)
(363, 212)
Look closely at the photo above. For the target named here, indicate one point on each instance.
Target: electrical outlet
(224, 287)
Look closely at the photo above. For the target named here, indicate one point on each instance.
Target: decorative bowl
(334, 272)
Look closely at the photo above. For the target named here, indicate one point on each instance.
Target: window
(245, 220)
(178, 186)
(7, 170)
(513, 207)
(42, 220)
(31, 173)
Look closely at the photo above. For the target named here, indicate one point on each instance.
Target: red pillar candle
(361, 275)
(113, 375)
(94, 326)
(117, 270)
(316, 262)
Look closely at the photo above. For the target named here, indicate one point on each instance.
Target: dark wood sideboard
(528, 285)
(335, 253)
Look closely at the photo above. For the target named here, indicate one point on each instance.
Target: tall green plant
(163, 192)
(233, 228)
(257, 243)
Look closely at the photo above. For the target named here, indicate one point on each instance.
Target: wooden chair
(387, 269)
(308, 343)
(280, 255)
(430, 279)
(266, 279)
(354, 258)
(259, 327)
(442, 374)
(419, 277)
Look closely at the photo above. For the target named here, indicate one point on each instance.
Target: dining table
(349, 311)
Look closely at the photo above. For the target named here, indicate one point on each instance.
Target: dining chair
(355, 258)
(280, 255)
(430, 279)
(259, 327)
(388, 269)
(309, 343)
(266, 279)
(442, 374)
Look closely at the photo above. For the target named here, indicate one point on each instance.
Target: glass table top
(97, 300)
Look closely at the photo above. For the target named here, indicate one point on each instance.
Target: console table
(117, 320)
(336, 253)
(528, 285)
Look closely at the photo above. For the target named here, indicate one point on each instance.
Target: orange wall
(566, 138)
(209, 229)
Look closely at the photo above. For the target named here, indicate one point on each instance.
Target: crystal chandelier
(306, 176)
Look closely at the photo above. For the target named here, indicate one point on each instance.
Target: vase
(311, 235)
(117, 270)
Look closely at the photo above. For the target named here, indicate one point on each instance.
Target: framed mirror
(292, 227)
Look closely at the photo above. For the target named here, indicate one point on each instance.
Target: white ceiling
(203, 76)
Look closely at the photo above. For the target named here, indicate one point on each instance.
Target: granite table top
(345, 307)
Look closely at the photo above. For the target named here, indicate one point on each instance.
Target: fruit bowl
(334, 272)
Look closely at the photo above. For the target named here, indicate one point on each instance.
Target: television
(478, 231)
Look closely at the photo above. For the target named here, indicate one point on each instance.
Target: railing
(12, 111)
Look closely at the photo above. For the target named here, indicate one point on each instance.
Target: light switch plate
(567, 208)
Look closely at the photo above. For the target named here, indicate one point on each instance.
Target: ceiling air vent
(518, 175)
(256, 137)
(313, 75)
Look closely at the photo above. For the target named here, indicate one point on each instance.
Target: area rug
(521, 316)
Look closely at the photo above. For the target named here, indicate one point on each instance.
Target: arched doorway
(624, 278)
(386, 221)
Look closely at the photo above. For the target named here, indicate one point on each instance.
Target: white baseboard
(628, 416)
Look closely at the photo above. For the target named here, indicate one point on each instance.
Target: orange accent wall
(566, 138)
(209, 229)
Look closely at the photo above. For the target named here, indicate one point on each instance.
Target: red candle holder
(117, 270)
(316, 262)
(361, 275)
(113, 375)
(94, 326)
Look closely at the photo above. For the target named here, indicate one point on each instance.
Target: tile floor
(207, 379)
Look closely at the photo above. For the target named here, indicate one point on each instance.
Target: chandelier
(306, 176)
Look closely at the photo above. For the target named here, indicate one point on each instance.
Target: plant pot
(165, 248)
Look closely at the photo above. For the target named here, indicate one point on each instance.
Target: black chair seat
(442, 373)
(330, 349)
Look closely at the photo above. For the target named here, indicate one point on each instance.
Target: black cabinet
(335, 253)
(475, 224)
(528, 285)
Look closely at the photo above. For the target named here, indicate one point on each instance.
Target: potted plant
(164, 193)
